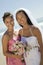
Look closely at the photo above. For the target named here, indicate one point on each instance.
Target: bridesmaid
(11, 59)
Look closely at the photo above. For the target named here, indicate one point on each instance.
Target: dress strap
(31, 31)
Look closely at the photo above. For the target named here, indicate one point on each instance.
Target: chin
(10, 30)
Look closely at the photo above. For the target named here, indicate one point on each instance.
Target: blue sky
(35, 6)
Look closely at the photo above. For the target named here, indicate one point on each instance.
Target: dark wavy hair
(6, 14)
(28, 19)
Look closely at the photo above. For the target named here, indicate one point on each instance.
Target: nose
(20, 19)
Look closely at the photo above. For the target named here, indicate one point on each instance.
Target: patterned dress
(13, 61)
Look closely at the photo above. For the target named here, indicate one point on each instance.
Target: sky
(35, 6)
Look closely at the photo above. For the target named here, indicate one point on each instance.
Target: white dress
(33, 56)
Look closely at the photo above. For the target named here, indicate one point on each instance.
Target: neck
(26, 26)
(10, 32)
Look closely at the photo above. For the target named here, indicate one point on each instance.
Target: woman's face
(9, 23)
(21, 18)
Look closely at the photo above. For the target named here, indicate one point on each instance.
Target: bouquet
(17, 47)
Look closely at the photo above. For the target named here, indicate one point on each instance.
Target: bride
(31, 33)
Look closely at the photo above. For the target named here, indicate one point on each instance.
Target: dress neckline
(29, 36)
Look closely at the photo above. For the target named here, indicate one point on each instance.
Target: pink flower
(15, 45)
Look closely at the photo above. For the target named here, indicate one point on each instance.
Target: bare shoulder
(37, 33)
(4, 37)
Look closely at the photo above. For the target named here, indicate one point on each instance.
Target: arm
(39, 37)
(4, 45)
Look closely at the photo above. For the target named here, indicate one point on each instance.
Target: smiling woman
(32, 34)
(11, 58)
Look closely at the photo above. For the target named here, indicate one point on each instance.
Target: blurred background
(35, 6)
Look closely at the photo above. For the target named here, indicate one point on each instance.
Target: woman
(7, 38)
(32, 34)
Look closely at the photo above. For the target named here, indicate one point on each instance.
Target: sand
(2, 57)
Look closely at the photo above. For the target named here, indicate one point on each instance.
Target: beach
(2, 57)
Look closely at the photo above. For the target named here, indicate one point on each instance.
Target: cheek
(24, 20)
(7, 24)
(18, 21)
(12, 23)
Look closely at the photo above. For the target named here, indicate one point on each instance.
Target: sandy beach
(2, 57)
